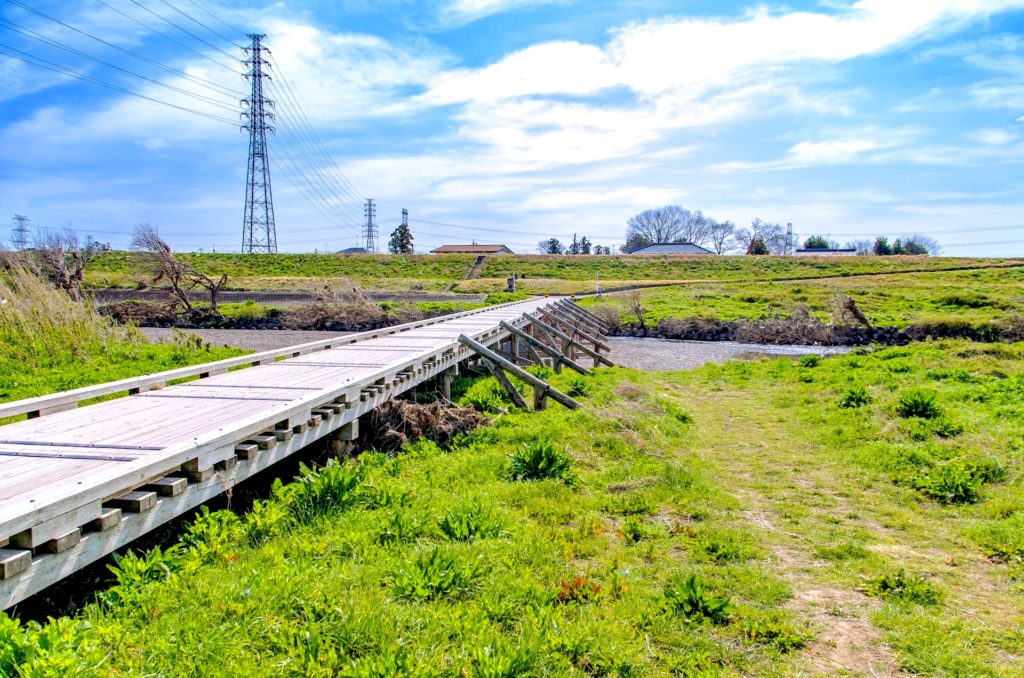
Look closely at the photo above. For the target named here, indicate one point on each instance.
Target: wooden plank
(136, 501)
(43, 532)
(13, 562)
(553, 352)
(510, 389)
(561, 335)
(108, 519)
(168, 486)
(63, 542)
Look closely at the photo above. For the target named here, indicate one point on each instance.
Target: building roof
(825, 250)
(673, 248)
(353, 250)
(471, 249)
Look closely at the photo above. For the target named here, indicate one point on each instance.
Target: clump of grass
(433, 575)
(539, 460)
(855, 396)
(319, 491)
(634, 530)
(579, 387)
(470, 521)
(919, 404)
(810, 360)
(904, 587)
(772, 628)
(841, 552)
(688, 597)
(1002, 540)
(400, 527)
(957, 481)
(723, 546)
(577, 590)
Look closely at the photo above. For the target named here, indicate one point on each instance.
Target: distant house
(673, 248)
(472, 249)
(353, 250)
(827, 252)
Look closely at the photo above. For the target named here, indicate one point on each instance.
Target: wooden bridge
(78, 482)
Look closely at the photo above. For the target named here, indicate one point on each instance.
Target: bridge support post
(497, 363)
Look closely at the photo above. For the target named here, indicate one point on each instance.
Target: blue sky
(515, 120)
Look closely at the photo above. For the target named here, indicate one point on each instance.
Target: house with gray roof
(673, 248)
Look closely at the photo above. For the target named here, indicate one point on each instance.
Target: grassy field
(544, 274)
(974, 296)
(50, 343)
(860, 514)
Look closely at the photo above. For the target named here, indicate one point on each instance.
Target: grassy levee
(860, 514)
(543, 274)
(50, 343)
(898, 299)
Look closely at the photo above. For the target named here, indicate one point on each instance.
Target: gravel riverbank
(643, 354)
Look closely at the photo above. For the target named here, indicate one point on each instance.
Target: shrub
(469, 521)
(264, 520)
(487, 396)
(319, 491)
(903, 587)
(688, 598)
(917, 403)
(539, 460)
(810, 360)
(856, 396)
(433, 575)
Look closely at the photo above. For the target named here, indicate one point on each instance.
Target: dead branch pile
(396, 422)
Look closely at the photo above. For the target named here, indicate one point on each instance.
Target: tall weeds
(40, 326)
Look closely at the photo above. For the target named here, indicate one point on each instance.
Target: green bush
(433, 575)
(213, 536)
(539, 460)
(903, 587)
(688, 598)
(917, 403)
(486, 396)
(319, 491)
(810, 360)
(469, 521)
(856, 396)
(131, 571)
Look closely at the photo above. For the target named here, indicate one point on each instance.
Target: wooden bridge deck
(77, 484)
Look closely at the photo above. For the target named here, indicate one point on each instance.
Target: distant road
(109, 296)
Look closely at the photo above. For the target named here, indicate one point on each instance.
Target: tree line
(674, 224)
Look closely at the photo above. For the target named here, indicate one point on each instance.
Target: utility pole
(405, 217)
(370, 229)
(259, 233)
(789, 238)
(19, 234)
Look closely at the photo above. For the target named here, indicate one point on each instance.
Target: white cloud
(993, 137)
(830, 152)
(460, 12)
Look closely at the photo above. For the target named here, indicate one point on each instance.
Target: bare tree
(635, 306)
(175, 277)
(863, 246)
(773, 235)
(63, 261)
(918, 243)
(670, 223)
(720, 235)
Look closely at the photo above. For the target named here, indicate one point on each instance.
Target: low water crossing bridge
(79, 481)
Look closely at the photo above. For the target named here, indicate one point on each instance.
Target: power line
(183, 30)
(200, 23)
(54, 43)
(167, 37)
(136, 55)
(217, 17)
(50, 66)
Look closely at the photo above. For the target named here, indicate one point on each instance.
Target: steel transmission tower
(19, 234)
(370, 229)
(259, 234)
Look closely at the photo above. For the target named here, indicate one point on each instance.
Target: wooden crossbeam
(510, 389)
(575, 313)
(557, 355)
(585, 313)
(597, 343)
(598, 358)
(536, 382)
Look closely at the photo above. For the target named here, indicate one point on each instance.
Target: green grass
(543, 274)
(976, 297)
(736, 520)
